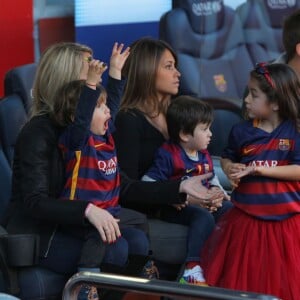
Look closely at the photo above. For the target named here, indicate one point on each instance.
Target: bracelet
(90, 84)
(87, 209)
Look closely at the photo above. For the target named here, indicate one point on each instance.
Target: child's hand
(218, 189)
(231, 170)
(179, 206)
(96, 69)
(250, 170)
(105, 223)
(217, 202)
(213, 198)
(117, 60)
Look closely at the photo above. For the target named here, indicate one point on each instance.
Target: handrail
(154, 287)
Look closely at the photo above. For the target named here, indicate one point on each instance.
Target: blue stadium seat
(12, 118)
(209, 41)
(226, 114)
(5, 184)
(19, 80)
(30, 282)
(262, 22)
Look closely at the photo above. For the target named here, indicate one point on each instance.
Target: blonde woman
(38, 172)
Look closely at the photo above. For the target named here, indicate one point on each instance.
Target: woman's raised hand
(105, 223)
(117, 60)
(95, 72)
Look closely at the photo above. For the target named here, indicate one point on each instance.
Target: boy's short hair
(66, 100)
(291, 34)
(185, 113)
(103, 94)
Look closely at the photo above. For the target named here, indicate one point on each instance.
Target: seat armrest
(220, 173)
(22, 250)
(10, 275)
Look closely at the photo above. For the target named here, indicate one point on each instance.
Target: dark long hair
(140, 70)
(282, 88)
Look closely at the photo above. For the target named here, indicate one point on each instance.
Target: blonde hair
(59, 64)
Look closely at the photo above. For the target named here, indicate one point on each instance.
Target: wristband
(87, 209)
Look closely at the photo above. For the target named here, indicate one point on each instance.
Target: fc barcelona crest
(220, 83)
(284, 144)
(206, 168)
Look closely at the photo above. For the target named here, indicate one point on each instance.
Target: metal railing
(154, 287)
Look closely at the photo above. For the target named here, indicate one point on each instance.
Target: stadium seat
(262, 22)
(209, 41)
(12, 118)
(19, 80)
(5, 183)
(226, 114)
(30, 282)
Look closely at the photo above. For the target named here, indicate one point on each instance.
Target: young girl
(256, 245)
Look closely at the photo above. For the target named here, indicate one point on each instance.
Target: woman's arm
(128, 136)
(38, 176)
(164, 192)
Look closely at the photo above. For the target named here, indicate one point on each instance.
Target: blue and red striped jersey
(265, 197)
(92, 172)
(172, 162)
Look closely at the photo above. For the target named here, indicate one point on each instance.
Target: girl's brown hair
(282, 86)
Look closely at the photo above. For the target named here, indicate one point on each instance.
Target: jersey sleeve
(75, 135)
(162, 168)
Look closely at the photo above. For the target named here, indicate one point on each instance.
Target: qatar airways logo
(264, 163)
(108, 167)
(206, 8)
(281, 4)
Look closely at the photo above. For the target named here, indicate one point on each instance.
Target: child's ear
(275, 107)
(298, 49)
(183, 136)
